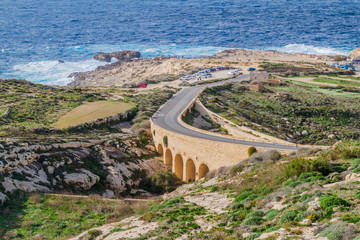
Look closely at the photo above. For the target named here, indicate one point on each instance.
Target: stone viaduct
(191, 158)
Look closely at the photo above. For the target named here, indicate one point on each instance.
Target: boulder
(84, 180)
(126, 55)
(304, 133)
(108, 194)
(354, 54)
(119, 55)
(101, 56)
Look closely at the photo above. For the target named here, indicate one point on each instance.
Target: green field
(91, 111)
(324, 114)
(41, 216)
(337, 81)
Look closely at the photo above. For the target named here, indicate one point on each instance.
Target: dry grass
(91, 111)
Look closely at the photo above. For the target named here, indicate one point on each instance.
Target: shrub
(94, 233)
(214, 189)
(357, 196)
(256, 214)
(288, 217)
(271, 214)
(339, 231)
(160, 182)
(304, 197)
(236, 169)
(310, 176)
(300, 165)
(356, 170)
(332, 201)
(292, 183)
(253, 221)
(253, 236)
(165, 141)
(251, 151)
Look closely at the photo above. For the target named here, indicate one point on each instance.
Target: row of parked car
(206, 73)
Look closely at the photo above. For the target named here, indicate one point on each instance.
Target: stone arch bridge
(191, 153)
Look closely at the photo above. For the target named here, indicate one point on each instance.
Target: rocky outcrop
(354, 54)
(119, 55)
(115, 165)
(83, 180)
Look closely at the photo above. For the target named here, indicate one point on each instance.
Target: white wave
(52, 72)
(309, 49)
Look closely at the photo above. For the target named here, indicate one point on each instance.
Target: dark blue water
(34, 34)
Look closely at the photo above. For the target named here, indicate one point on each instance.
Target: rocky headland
(130, 70)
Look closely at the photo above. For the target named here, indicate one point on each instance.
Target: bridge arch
(179, 166)
(203, 170)
(168, 159)
(160, 149)
(190, 170)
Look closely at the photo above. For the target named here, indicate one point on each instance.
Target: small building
(259, 76)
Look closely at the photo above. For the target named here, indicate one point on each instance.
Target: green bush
(94, 233)
(160, 182)
(251, 151)
(271, 214)
(299, 166)
(310, 176)
(339, 231)
(288, 217)
(165, 141)
(332, 201)
(256, 214)
(292, 183)
(253, 236)
(214, 188)
(357, 196)
(252, 221)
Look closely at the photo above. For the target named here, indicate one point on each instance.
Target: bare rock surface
(354, 54)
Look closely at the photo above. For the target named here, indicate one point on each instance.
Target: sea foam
(309, 49)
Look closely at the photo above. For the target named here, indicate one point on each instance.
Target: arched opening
(168, 159)
(203, 170)
(190, 170)
(179, 166)
(160, 149)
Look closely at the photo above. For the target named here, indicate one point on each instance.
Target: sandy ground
(91, 111)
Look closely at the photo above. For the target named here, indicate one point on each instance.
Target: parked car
(141, 85)
(251, 69)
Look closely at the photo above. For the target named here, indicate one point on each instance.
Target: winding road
(167, 116)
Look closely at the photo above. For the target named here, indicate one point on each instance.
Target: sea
(36, 34)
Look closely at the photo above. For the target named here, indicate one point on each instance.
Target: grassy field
(91, 111)
(337, 81)
(35, 105)
(302, 113)
(41, 216)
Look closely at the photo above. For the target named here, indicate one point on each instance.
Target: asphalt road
(167, 116)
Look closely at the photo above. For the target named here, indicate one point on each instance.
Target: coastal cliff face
(138, 70)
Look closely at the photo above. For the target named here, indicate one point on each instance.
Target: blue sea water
(35, 34)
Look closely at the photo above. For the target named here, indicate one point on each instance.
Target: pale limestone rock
(108, 194)
(352, 176)
(354, 54)
(3, 198)
(306, 221)
(50, 169)
(84, 180)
